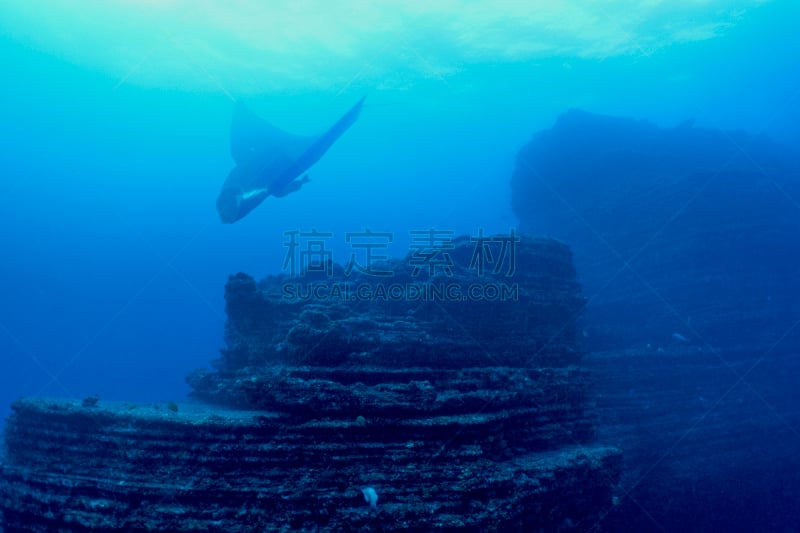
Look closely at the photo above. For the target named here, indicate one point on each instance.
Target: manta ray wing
(269, 160)
(318, 146)
(252, 137)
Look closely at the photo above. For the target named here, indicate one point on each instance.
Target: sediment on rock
(460, 415)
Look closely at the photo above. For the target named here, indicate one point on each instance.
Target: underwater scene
(400, 266)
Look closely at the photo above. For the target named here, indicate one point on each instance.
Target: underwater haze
(116, 117)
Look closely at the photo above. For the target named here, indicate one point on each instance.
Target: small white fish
(680, 338)
(370, 496)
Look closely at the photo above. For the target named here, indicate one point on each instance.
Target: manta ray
(270, 161)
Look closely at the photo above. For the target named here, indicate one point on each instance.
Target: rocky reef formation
(686, 242)
(703, 450)
(116, 467)
(674, 230)
(441, 399)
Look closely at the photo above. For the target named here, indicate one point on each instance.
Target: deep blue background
(113, 259)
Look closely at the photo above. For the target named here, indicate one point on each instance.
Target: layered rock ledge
(337, 414)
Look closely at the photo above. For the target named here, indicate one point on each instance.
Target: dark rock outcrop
(703, 449)
(686, 242)
(521, 315)
(115, 468)
(463, 412)
(680, 230)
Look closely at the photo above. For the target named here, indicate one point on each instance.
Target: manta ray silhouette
(270, 161)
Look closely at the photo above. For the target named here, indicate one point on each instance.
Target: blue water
(113, 255)
(115, 143)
